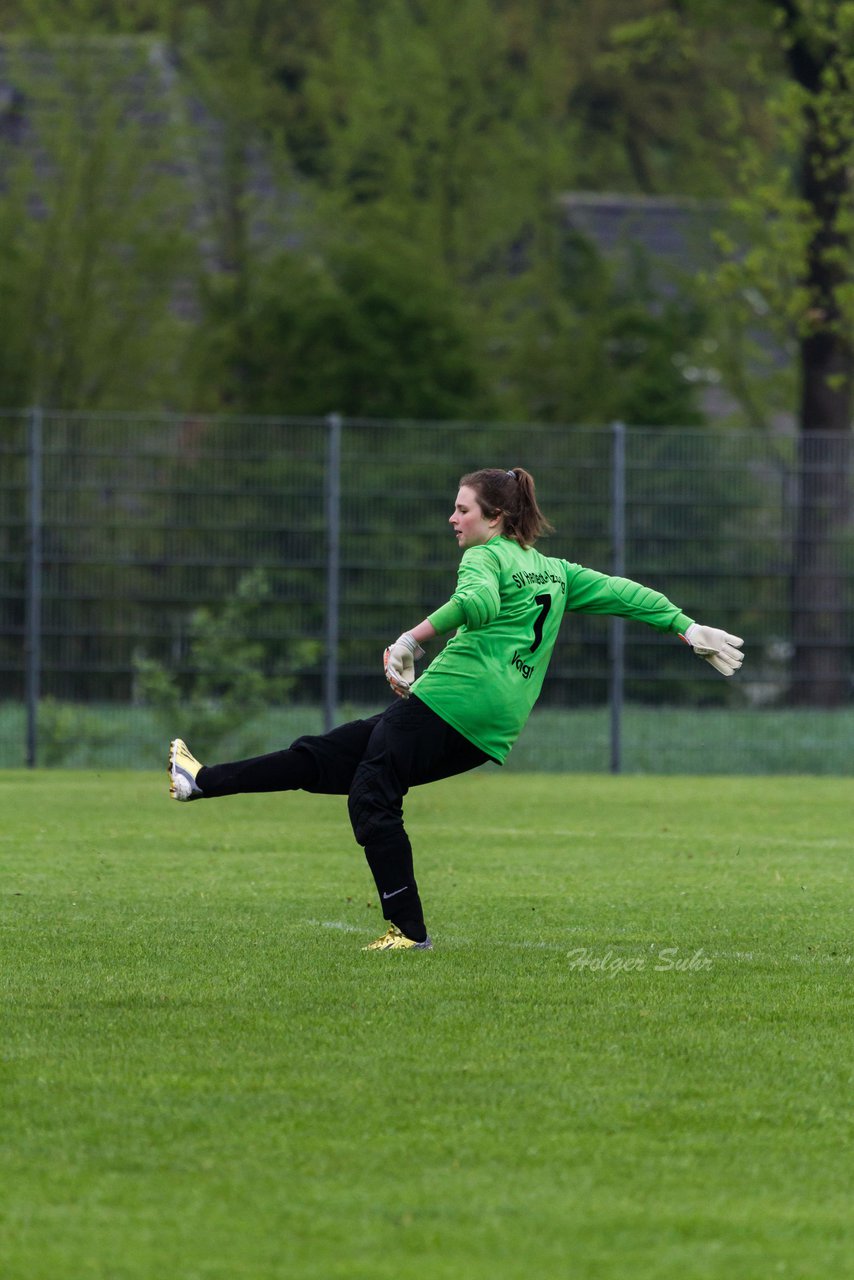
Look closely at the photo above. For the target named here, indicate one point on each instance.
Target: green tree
(437, 138)
(361, 333)
(95, 224)
(795, 213)
(593, 345)
(819, 42)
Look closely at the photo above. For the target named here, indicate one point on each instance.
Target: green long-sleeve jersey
(507, 609)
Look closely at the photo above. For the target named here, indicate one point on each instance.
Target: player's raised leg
(322, 763)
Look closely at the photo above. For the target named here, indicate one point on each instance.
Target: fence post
(332, 499)
(618, 625)
(32, 633)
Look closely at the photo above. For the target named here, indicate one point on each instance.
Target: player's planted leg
(378, 827)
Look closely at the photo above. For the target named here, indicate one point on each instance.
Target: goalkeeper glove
(399, 663)
(719, 648)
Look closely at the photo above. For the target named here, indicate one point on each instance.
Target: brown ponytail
(512, 495)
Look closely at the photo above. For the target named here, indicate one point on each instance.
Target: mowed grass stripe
(204, 1076)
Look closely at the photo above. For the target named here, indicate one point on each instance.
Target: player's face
(470, 525)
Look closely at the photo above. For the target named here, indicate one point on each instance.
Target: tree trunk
(821, 663)
(821, 660)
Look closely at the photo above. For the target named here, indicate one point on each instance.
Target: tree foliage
(437, 134)
(359, 333)
(95, 227)
(427, 142)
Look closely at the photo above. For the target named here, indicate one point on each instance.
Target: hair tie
(513, 474)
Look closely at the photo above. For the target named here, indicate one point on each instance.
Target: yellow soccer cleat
(182, 769)
(394, 940)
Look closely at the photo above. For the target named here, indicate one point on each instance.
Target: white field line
(344, 927)
(750, 957)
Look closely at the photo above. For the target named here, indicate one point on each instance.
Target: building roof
(673, 233)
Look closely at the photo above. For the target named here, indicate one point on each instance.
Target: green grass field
(630, 1054)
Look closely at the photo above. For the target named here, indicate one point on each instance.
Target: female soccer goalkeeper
(471, 702)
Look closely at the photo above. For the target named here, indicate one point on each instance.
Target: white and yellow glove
(719, 648)
(399, 662)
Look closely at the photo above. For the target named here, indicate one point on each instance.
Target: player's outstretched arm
(719, 648)
(399, 658)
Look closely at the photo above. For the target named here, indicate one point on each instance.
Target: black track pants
(374, 762)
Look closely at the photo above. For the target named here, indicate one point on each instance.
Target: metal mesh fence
(115, 530)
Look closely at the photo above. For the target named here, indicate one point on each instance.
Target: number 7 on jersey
(545, 603)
